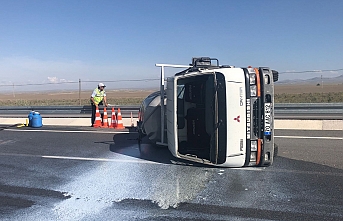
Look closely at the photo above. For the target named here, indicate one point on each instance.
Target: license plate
(267, 119)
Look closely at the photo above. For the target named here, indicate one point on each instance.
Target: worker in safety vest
(98, 97)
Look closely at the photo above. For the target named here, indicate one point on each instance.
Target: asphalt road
(56, 173)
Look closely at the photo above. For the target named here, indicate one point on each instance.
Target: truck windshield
(198, 116)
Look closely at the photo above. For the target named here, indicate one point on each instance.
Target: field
(307, 88)
(330, 93)
(114, 97)
(283, 94)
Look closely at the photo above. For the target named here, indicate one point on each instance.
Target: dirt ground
(74, 95)
(64, 95)
(299, 89)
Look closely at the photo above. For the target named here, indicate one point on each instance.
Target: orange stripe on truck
(259, 149)
(258, 83)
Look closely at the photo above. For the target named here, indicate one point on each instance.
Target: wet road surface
(56, 173)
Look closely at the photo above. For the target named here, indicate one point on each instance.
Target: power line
(131, 80)
(37, 84)
(148, 79)
(312, 71)
(76, 82)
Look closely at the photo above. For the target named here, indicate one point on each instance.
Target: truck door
(211, 113)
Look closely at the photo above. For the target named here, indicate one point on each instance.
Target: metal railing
(282, 111)
(332, 111)
(63, 111)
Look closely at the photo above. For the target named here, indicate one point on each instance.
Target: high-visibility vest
(99, 95)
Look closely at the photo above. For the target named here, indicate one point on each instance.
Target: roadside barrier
(303, 111)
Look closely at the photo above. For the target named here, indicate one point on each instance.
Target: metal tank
(149, 123)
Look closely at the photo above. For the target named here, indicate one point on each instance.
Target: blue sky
(106, 40)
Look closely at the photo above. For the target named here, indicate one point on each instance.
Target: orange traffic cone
(113, 119)
(105, 119)
(120, 121)
(97, 122)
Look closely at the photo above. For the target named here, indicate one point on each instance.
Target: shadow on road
(3, 127)
(127, 144)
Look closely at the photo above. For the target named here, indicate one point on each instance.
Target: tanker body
(215, 115)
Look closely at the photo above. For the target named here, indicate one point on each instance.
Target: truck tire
(275, 75)
(276, 150)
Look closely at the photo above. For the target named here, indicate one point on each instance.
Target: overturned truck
(212, 114)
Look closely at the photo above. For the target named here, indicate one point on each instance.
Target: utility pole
(321, 77)
(80, 92)
(13, 91)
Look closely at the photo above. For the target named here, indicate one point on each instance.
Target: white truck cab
(215, 115)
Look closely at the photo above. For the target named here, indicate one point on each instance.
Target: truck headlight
(253, 156)
(253, 145)
(253, 91)
(252, 78)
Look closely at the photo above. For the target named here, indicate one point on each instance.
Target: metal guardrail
(322, 111)
(63, 111)
(282, 111)
(310, 106)
(70, 109)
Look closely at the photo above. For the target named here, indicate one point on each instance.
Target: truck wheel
(139, 131)
(275, 75)
(276, 150)
(139, 139)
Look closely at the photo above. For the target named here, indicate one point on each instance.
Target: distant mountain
(316, 80)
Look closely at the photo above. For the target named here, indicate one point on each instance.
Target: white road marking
(100, 159)
(320, 173)
(249, 168)
(83, 158)
(127, 132)
(276, 170)
(301, 137)
(6, 141)
(74, 131)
